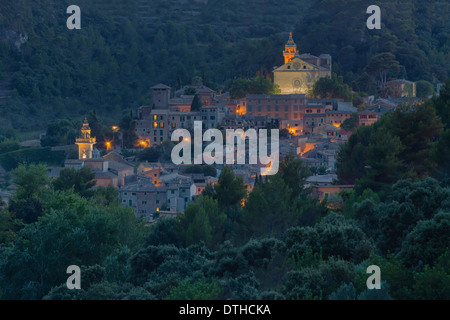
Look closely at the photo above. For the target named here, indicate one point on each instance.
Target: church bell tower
(290, 49)
(85, 142)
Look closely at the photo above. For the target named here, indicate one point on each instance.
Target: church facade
(300, 71)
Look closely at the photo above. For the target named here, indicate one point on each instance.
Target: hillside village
(311, 130)
(224, 150)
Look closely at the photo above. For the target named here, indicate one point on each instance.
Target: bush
(11, 160)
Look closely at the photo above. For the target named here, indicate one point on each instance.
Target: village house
(401, 88)
(173, 194)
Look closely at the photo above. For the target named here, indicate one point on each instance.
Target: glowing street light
(142, 144)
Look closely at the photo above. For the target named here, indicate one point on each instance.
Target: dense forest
(278, 242)
(416, 32)
(48, 72)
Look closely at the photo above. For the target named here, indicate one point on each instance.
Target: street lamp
(115, 129)
(142, 144)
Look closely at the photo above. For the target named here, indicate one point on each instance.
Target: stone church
(300, 71)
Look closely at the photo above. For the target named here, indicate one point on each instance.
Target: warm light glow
(268, 169)
(157, 209)
(115, 128)
(108, 145)
(308, 146)
(337, 125)
(141, 143)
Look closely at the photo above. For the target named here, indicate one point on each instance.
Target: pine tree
(196, 103)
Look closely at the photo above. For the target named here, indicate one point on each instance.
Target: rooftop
(105, 175)
(160, 86)
(275, 96)
(322, 179)
(307, 56)
(400, 81)
(114, 156)
(379, 109)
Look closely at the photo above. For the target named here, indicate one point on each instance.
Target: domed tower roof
(290, 49)
(291, 42)
(85, 124)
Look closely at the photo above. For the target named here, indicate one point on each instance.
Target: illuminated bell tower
(85, 142)
(290, 49)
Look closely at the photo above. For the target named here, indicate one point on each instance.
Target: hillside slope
(125, 46)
